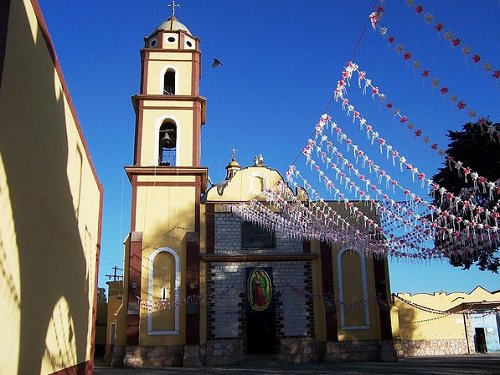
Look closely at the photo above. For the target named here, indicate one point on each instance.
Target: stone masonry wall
(226, 284)
(362, 350)
(415, 348)
(228, 237)
(153, 356)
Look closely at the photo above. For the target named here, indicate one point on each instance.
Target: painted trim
(176, 98)
(299, 257)
(152, 50)
(167, 171)
(133, 205)
(169, 107)
(152, 170)
(150, 331)
(197, 199)
(264, 175)
(196, 134)
(364, 290)
(161, 39)
(138, 134)
(181, 40)
(163, 183)
(144, 70)
(195, 74)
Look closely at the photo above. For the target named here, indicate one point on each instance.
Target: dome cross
(174, 5)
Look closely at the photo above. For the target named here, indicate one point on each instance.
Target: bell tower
(162, 249)
(169, 110)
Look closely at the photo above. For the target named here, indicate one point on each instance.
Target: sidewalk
(467, 364)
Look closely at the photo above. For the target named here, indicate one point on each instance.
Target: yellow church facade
(204, 285)
(50, 207)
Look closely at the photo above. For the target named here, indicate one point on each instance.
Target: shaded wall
(50, 202)
(442, 323)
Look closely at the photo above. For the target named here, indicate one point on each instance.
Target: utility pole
(115, 275)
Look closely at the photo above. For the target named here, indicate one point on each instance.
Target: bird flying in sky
(216, 63)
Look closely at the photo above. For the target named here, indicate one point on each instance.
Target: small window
(169, 82)
(165, 293)
(189, 44)
(171, 39)
(153, 42)
(255, 237)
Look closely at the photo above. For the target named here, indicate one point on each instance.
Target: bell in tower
(167, 144)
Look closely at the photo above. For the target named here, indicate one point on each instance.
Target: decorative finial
(174, 5)
(233, 153)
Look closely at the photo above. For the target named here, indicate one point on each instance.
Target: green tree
(477, 146)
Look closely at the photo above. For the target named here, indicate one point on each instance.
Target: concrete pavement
(466, 364)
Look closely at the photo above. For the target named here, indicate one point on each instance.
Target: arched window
(353, 290)
(167, 142)
(163, 292)
(169, 82)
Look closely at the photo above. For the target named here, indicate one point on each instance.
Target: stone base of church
(299, 350)
(192, 356)
(153, 356)
(366, 350)
(415, 348)
(221, 352)
(225, 352)
(117, 356)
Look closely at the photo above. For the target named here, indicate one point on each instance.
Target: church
(203, 283)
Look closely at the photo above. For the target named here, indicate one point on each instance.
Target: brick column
(328, 292)
(192, 289)
(384, 310)
(134, 288)
(210, 225)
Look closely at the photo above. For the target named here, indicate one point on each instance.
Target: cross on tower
(233, 153)
(174, 5)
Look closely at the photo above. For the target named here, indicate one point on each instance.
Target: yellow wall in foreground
(50, 201)
(417, 324)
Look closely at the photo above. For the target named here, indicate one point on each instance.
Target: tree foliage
(478, 150)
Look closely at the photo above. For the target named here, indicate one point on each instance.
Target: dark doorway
(480, 341)
(261, 333)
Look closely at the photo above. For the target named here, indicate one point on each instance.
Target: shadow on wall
(34, 149)
(407, 321)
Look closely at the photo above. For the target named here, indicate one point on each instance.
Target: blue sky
(282, 60)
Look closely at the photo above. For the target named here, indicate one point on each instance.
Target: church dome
(233, 164)
(232, 168)
(172, 24)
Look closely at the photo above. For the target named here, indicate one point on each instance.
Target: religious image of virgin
(260, 288)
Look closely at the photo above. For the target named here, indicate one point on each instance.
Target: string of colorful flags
(155, 304)
(313, 222)
(373, 134)
(425, 73)
(452, 38)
